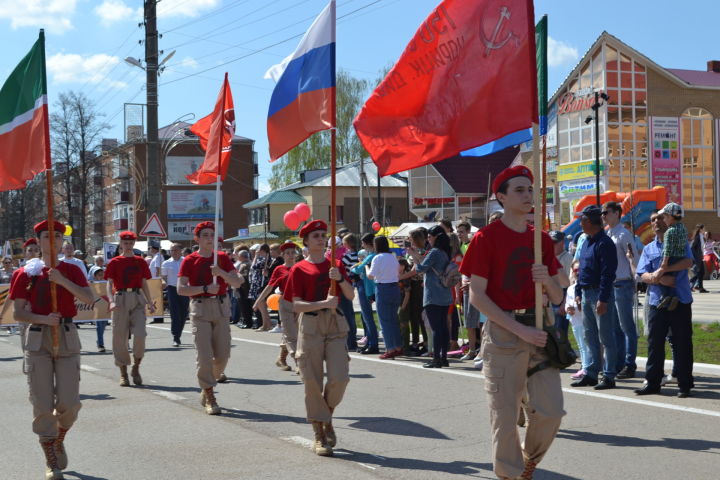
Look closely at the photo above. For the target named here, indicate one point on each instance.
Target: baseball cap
(672, 209)
(557, 236)
(592, 212)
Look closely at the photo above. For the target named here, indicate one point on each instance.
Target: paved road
(398, 421)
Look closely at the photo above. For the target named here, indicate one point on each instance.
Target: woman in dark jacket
(436, 297)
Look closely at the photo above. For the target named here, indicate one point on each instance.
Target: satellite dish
(169, 56)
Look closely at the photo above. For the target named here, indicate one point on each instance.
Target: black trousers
(659, 324)
(437, 317)
(179, 306)
(699, 275)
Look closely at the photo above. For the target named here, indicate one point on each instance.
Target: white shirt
(77, 262)
(170, 269)
(623, 241)
(156, 264)
(385, 268)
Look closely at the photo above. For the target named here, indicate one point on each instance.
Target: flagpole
(333, 159)
(49, 188)
(537, 219)
(218, 178)
(543, 195)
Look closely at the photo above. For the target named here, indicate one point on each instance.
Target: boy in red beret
(127, 276)
(500, 264)
(209, 310)
(54, 383)
(322, 333)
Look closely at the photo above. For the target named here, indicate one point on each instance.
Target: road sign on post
(153, 228)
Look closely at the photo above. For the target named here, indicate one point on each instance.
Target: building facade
(659, 127)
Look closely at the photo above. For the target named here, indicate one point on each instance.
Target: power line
(206, 16)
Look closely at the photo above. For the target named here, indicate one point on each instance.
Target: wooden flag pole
(218, 178)
(537, 219)
(333, 226)
(50, 202)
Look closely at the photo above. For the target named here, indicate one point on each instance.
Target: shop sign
(577, 189)
(577, 171)
(666, 166)
(576, 101)
(184, 231)
(422, 201)
(195, 204)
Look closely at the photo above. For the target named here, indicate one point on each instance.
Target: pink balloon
(376, 226)
(291, 220)
(303, 211)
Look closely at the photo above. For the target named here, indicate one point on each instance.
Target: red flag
(215, 132)
(467, 77)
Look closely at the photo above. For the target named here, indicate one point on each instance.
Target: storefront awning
(470, 174)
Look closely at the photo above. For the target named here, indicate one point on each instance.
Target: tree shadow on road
(690, 444)
(71, 475)
(395, 426)
(263, 381)
(99, 396)
(165, 388)
(10, 359)
(260, 417)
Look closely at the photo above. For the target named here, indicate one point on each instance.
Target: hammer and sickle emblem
(494, 43)
(230, 121)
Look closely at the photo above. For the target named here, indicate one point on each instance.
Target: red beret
(312, 226)
(287, 246)
(44, 225)
(203, 225)
(128, 235)
(508, 173)
(29, 241)
(220, 239)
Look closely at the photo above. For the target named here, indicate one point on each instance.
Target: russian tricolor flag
(303, 101)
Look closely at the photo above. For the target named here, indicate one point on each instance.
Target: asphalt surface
(397, 421)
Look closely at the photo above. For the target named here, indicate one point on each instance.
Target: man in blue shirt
(660, 320)
(598, 264)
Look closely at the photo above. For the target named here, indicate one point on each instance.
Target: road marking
(366, 466)
(443, 371)
(298, 440)
(169, 395)
(88, 368)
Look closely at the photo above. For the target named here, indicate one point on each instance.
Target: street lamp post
(596, 108)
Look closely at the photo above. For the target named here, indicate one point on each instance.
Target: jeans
(437, 317)
(561, 321)
(100, 330)
(347, 308)
(387, 297)
(659, 323)
(579, 333)
(179, 307)
(599, 329)
(368, 319)
(626, 336)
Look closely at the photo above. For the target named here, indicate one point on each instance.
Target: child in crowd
(675, 244)
(574, 314)
(404, 311)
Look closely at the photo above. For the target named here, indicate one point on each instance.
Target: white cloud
(560, 53)
(188, 62)
(111, 11)
(54, 15)
(263, 187)
(184, 8)
(73, 68)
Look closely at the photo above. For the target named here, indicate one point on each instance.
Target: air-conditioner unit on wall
(134, 132)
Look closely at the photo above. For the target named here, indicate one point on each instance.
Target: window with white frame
(697, 159)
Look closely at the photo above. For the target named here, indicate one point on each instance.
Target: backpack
(450, 276)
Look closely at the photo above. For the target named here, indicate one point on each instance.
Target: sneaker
(387, 356)
(579, 374)
(277, 329)
(626, 372)
(176, 342)
(668, 379)
(478, 364)
(471, 354)
(362, 342)
(101, 349)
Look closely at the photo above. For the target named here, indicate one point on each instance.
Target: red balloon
(376, 226)
(291, 220)
(303, 211)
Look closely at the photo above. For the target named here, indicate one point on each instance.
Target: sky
(87, 40)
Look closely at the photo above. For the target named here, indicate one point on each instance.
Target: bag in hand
(558, 348)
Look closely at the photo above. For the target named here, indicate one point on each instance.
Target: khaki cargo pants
(210, 319)
(288, 318)
(506, 360)
(128, 318)
(321, 348)
(54, 384)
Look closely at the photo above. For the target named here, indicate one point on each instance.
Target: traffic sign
(153, 228)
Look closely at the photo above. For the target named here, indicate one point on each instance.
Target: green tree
(314, 153)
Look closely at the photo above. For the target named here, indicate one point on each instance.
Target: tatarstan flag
(24, 133)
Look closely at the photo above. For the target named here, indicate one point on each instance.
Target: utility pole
(153, 197)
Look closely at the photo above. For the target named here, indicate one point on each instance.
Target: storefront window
(697, 154)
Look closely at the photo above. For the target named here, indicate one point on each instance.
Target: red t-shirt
(39, 294)
(310, 281)
(504, 257)
(127, 272)
(197, 269)
(279, 277)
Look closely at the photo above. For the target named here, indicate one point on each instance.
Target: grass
(706, 343)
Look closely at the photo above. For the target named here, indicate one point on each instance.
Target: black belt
(120, 291)
(200, 299)
(526, 316)
(66, 320)
(63, 321)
